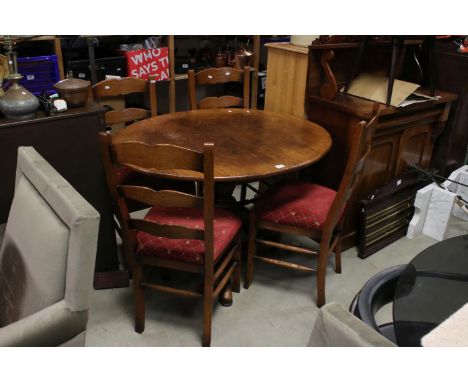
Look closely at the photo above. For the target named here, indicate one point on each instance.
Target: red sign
(144, 62)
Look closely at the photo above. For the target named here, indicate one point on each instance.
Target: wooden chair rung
(163, 263)
(224, 263)
(166, 289)
(285, 264)
(287, 247)
(224, 280)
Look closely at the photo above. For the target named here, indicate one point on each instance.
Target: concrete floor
(277, 310)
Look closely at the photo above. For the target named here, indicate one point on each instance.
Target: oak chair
(311, 210)
(181, 231)
(213, 76)
(112, 93)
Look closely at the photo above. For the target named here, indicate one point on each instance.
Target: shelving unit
(177, 77)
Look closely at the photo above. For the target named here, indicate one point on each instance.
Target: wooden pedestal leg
(225, 297)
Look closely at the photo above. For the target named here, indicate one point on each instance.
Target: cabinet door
(378, 170)
(415, 147)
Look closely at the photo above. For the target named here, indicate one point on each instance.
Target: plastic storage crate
(116, 66)
(40, 73)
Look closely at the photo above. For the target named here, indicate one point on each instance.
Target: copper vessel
(73, 90)
(243, 58)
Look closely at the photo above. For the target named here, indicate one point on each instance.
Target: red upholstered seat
(298, 204)
(226, 226)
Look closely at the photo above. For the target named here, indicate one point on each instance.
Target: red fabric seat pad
(226, 226)
(298, 204)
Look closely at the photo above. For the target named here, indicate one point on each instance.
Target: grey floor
(277, 310)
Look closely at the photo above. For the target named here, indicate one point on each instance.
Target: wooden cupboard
(286, 79)
(404, 136)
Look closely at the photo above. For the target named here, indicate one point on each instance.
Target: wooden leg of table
(225, 297)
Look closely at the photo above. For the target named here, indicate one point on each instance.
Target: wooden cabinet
(415, 147)
(286, 78)
(450, 152)
(404, 136)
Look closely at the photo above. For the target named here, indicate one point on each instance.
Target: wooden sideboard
(404, 135)
(286, 79)
(69, 142)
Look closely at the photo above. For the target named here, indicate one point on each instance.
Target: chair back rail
(163, 198)
(119, 87)
(113, 117)
(220, 102)
(158, 157)
(171, 231)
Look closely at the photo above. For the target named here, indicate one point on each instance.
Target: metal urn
(17, 102)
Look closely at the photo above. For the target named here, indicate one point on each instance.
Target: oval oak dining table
(249, 145)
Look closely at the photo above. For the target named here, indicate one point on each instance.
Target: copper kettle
(244, 58)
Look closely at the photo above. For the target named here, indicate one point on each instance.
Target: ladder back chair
(213, 76)
(112, 93)
(311, 210)
(181, 231)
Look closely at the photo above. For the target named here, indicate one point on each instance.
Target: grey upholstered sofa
(336, 326)
(47, 258)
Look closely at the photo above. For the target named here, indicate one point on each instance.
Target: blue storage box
(40, 73)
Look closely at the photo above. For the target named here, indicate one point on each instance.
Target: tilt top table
(249, 144)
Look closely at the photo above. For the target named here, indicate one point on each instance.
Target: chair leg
(139, 296)
(251, 250)
(237, 272)
(338, 257)
(207, 313)
(321, 273)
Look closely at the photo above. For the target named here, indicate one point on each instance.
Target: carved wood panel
(415, 147)
(378, 170)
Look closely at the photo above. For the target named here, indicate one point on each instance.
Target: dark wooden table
(433, 286)
(249, 144)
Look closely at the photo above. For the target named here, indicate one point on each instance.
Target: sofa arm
(51, 326)
(335, 326)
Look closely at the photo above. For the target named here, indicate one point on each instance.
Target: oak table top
(249, 144)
